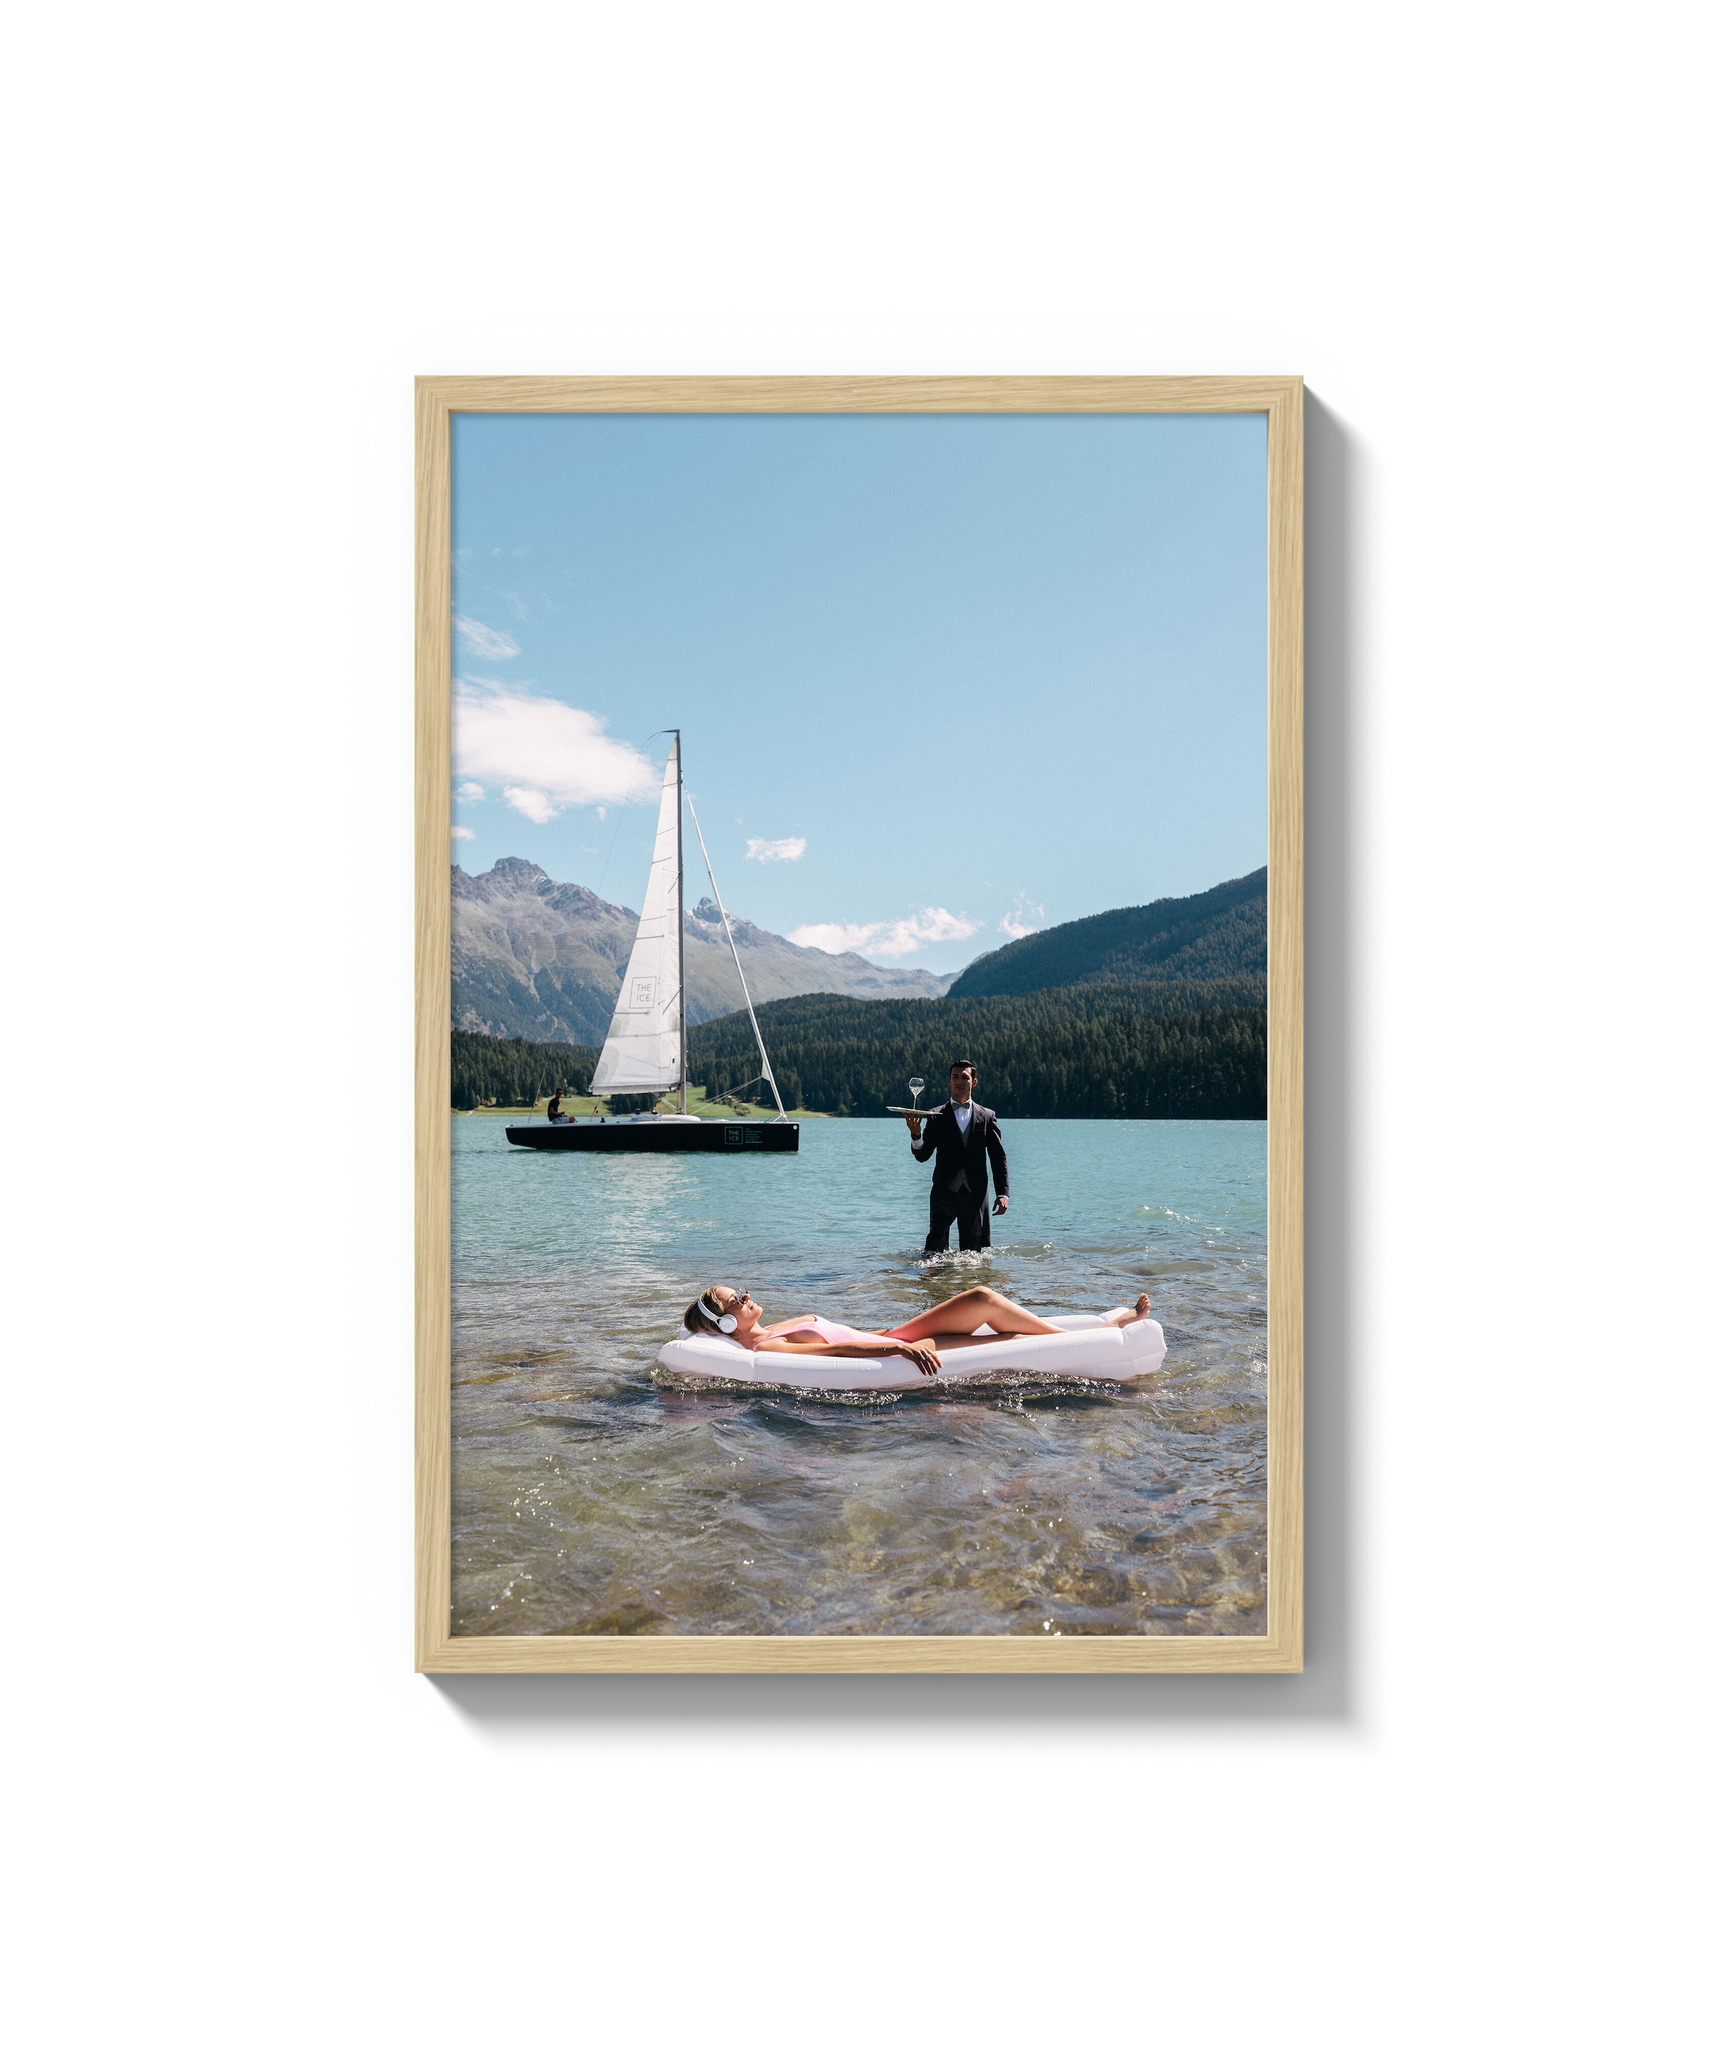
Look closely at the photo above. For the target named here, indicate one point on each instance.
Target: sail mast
(769, 1071)
(680, 898)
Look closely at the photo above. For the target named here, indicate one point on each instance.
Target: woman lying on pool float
(947, 1327)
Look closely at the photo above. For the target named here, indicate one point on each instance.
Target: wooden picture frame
(1279, 399)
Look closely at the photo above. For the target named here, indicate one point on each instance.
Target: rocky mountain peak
(512, 873)
(542, 959)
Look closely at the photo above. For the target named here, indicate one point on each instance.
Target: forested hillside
(1214, 938)
(1088, 1052)
(512, 1072)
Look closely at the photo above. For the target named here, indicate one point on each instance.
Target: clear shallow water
(594, 1492)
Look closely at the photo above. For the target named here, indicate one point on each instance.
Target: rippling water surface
(595, 1492)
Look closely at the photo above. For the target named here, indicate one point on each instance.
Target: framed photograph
(858, 956)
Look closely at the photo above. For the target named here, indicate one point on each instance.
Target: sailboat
(645, 1051)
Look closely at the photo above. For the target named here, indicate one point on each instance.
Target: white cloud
(485, 643)
(547, 756)
(888, 938)
(463, 832)
(774, 849)
(1014, 923)
(833, 938)
(470, 792)
(534, 804)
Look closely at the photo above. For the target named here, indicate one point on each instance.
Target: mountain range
(543, 960)
(1215, 940)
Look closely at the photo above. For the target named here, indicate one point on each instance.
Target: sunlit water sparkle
(595, 1492)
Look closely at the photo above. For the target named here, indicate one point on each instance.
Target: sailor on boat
(556, 1114)
(949, 1326)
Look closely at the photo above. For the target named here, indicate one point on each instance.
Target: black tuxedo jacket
(955, 1156)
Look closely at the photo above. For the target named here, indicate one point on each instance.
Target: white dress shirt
(963, 1124)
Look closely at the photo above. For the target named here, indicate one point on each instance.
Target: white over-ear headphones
(726, 1324)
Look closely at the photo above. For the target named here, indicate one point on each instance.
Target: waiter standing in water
(961, 1136)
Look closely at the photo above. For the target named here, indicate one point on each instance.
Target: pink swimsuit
(827, 1332)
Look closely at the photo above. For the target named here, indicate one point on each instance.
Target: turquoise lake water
(595, 1492)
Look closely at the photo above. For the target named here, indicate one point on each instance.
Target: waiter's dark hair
(956, 1065)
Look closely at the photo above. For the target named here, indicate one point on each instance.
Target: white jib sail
(641, 1054)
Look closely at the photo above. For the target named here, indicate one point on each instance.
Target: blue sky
(941, 679)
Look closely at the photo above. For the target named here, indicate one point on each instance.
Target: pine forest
(1091, 1052)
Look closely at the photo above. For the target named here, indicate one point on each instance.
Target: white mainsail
(641, 1054)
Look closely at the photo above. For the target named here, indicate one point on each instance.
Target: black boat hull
(730, 1137)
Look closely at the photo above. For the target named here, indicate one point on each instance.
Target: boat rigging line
(768, 1073)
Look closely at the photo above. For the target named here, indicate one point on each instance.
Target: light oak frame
(438, 398)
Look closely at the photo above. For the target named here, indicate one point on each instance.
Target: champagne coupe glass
(917, 1085)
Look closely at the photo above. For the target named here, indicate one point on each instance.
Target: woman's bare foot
(1137, 1314)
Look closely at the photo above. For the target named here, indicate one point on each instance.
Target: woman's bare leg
(961, 1316)
(954, 1321)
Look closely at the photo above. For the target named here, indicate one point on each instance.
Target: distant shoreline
(823, 1116)
(588, 1108)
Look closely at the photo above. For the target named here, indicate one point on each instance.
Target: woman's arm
(924, 1356)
